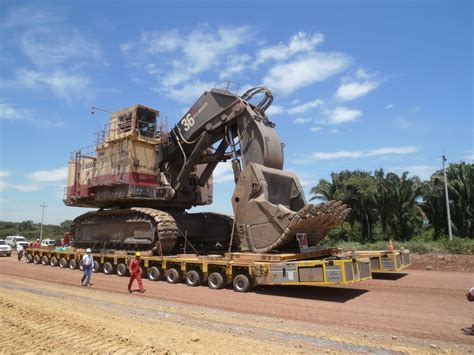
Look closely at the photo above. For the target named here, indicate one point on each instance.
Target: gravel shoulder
(43, 309)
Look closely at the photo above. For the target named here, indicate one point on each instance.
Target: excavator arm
(269, 204)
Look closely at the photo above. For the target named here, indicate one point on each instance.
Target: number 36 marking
(188, 122)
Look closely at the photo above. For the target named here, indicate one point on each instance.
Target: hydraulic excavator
(143, 179)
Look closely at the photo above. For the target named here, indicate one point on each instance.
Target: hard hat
(88, 250)
(138, 253)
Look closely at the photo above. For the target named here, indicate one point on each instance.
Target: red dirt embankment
(443, 262)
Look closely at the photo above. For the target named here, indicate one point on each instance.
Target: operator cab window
(146, 121)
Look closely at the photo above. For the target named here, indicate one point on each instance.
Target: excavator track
(132, 229)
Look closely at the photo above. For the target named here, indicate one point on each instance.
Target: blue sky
(357, 84)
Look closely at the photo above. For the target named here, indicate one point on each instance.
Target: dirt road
(45, 309)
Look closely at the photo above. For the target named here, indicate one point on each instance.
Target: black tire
(81, 265)
(96, 267)
(193, 278)
(108, 268)
(9, 254)
(29, 258)
(154, 273)
(53, 261)
(242, 283)
(45, 260)
(122, 270)
(217, 280)
(173, 276)
(37, 259)
(63, 263)
(73, 264)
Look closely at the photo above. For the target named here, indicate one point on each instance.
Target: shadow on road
(330, 294)
(388, 275)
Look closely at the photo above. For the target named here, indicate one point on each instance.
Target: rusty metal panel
(283, 272)
(364, 270)
(311, 274)
(349, 271)
(333, 274)
(375, 263)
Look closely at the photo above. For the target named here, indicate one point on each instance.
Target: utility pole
(450, 232)
(42, 220)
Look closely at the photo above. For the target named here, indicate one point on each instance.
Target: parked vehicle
(48, 243)
(5, 249)
(12, 241)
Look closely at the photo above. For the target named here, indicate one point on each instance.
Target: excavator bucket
(270, 209)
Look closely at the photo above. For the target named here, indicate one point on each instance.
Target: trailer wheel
(108, 268)
(217, 280)
(73, 264)
(193, 278)
(29, 258)
(37, 259)
(122, 270)
(173, 276)
(45, 260)
(63, 263)
(53, 261)
(96, 267)
(154, 273)
(242, 283)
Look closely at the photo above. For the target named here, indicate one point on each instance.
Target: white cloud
(62, 84)
(299, 43)
(188, 92)
(275, 110)
(12, 113)
(353, 90)
(54, 175)
(296, 74)
(4, 174)
(424, 172)
(30, 16)
(301, 120)
(9, 112)
(235, 65)
(315, 129)
(340, 115)
(364, 153)
(305, 107)
(389, 106)
(334, 131)
(403, 123)
(47, 46)
(193, 53)
(223, 173)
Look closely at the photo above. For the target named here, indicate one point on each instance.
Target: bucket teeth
(317, 220)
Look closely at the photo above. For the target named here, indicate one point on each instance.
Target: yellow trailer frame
(243, 270)
(385, 261)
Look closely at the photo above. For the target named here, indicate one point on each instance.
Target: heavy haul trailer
(384, 260)
(242, 270)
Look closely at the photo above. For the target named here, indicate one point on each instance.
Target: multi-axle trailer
(243, 270)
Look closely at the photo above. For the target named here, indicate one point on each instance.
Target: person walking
(87, 265)
(135, 273)
(470, 298)
(19, 251)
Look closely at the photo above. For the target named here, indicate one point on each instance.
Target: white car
(13, 240)
(48, 243)
(5, 249)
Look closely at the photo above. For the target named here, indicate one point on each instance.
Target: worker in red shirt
(135, 273)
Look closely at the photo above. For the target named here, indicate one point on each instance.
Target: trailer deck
(242, 270)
